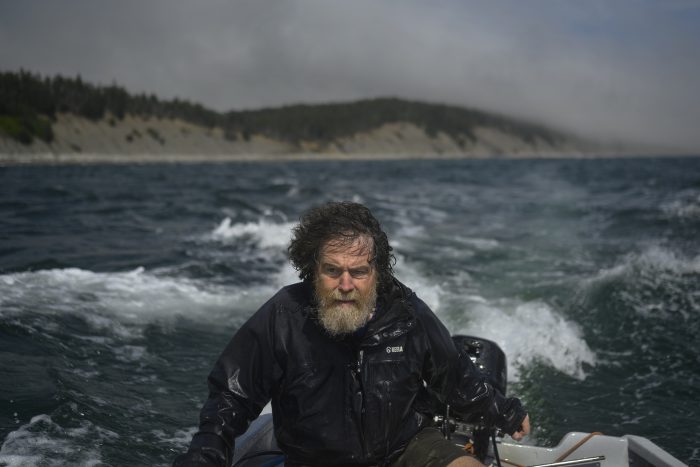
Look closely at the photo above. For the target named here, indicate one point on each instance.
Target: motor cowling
(488, 358)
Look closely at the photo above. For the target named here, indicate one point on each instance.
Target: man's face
(346, 286)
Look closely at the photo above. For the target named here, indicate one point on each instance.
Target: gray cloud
(623, 69)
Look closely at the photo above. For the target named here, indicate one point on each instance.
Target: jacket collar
(396, 316)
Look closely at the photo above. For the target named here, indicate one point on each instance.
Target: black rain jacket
(339, 401)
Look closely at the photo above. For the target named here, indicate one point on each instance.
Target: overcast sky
(626, 69)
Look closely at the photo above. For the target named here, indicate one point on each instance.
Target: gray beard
(338, 320)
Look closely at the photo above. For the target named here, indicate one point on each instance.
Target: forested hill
(32, 108)
(30, 103)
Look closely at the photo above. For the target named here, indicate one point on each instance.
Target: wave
(411, 221)
(656, 282)
(485, 244)
(178, 440)
(265, 233)
(120, 303)
(528, 333)
(654, 259)
(44, 442)
(410, 275)
(687, 207)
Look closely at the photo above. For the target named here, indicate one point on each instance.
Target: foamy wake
(528, 333)
(116, 301)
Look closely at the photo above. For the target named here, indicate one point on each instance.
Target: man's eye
(332, 271)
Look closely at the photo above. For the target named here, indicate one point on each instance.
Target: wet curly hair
(341, 223)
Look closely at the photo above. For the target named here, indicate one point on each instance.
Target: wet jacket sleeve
(454, 379)
(240, 385)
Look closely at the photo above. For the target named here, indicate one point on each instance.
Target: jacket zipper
(360, 362)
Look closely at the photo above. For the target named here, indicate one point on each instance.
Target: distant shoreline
(65, 121)
(7, 160)
(139, 140)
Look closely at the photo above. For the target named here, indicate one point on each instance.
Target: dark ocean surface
(120, 285)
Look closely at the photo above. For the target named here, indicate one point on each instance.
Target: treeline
(326, 123)
(29, 104)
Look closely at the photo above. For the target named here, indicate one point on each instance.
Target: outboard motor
(490, 360)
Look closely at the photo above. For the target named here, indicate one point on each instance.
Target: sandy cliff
(77, 139)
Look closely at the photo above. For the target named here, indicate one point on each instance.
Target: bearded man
(344, 357)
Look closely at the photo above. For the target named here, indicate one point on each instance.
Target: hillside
(62, 119)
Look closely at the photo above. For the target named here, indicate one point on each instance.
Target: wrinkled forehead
(361, 246)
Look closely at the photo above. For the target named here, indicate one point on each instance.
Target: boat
(257, 446)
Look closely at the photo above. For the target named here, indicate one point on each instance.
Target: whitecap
(530, 332)
(130, 353)
(654, 260)
(427, 290)
(484, 244)
(685, 208)
(119, 303)
(655, 282)
(44, 442)
(179, 439)
(660, 259)
(267, 234)
(527, 332)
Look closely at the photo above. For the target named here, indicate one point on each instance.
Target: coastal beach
(141, 140)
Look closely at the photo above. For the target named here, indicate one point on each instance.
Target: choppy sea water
(119, 286)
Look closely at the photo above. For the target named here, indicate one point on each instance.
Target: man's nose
(346, 285)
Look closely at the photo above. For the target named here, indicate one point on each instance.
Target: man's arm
(455, 380)
(240, 385)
